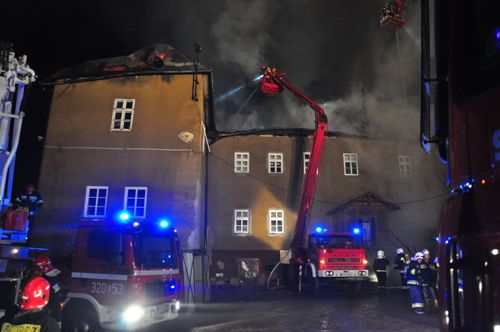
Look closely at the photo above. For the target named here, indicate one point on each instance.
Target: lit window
(276, 222)
(96, 198)
(123, 114)
(307, 156)
(242, 162)
(275, 163)
(404, 166)
(351, 164)
(242, 221)
(135, 201)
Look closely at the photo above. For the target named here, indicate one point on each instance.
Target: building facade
(390, 189)
(125, 134)
(128, 133)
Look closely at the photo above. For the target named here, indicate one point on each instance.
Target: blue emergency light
(124, 216)
(164, 223)
(320, 229)
(356, 230)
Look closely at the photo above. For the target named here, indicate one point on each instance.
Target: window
(241, 221)
(405, 166)
(307, 156)
(242, 162)
(107, 246)
(276, 222)
(95, 202)
(351, 164)
(123, 114)
(135, 201)
(275, 163)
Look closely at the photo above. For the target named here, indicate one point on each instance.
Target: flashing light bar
(320, 229)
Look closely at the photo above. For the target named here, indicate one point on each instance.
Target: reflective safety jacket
(428, 272)
(31, 201)
(380, 265)
(413, 276)
(400, 262)
(29, 321)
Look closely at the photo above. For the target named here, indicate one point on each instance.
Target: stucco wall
(81, 151)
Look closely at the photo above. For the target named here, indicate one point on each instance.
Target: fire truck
(467, 133)
(337, 256)
(15, 77)
(329, 256)
(124, 276)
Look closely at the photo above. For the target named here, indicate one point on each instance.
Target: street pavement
(333, 310)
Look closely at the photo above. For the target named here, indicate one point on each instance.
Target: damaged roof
(298, 132)
(149, 60)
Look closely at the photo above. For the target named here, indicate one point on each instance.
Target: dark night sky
(333, 50)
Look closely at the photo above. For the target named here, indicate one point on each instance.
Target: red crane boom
(273, 83)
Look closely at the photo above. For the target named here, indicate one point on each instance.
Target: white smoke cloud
(240, 34)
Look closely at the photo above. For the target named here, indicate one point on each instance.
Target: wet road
(333, 310)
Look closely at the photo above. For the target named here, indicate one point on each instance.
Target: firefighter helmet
(425, 252)
(399, 251)
(380, 254)
(43, 264)
(419, 255)
(35, 294)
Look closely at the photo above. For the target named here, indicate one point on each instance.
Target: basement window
(135, 201)
(242, 162)
(123, 114)
(96, 198)
(276, 222)
(351, 164)
(242, 222)
(275, 163)
(404, 166)
(307, 156)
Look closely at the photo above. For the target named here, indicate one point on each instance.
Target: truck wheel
(83, 319)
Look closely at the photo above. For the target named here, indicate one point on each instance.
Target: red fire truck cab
(124, 276)
(337, 256)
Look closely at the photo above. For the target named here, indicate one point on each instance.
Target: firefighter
(413, 279)
(42, 267)
(31, 315)
(400, 264)
(380, 267)
(428, 271)
(30, 200)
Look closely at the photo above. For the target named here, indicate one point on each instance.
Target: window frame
(248, 220)
(133, 211)
(270, 222)
(123, 110)
(281, 160)
(405, 165)
(86, 205)
(347, 160)
(240, 160)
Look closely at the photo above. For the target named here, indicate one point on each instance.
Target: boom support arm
(271, 75)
